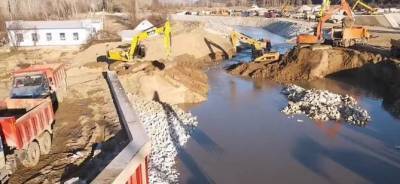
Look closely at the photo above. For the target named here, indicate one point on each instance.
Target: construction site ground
(86, 121)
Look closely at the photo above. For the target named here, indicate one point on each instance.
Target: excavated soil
(305, 64)
(178, 78)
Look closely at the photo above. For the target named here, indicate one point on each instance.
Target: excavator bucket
(268, 57)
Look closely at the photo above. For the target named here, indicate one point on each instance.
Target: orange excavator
(346, 36)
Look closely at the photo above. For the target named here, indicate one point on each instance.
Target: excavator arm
(324, 7)
(317, 37)
(370, 9)
(237, 37)
(129, 55)
(261, 49)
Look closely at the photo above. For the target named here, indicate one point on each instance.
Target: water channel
(243, 137)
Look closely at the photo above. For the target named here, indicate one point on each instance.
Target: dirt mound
(189, 39)
(177, 78)
(174, 82)
(306, 64)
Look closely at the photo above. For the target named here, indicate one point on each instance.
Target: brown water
(243, 137)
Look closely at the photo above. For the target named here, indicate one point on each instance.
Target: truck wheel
(346, 43)
(45, 143)
(30, 157)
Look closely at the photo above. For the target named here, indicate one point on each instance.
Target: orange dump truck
(27, 116)
(25, 129)
(346, 37)
(40, 81)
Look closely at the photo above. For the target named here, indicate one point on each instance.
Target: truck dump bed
(22, 120)
(17, 113)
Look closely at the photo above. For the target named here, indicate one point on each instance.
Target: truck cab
(40, 81)
(30, 85)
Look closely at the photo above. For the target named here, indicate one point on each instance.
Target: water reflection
(244, 138)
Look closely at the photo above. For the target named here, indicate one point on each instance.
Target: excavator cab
(260, 49)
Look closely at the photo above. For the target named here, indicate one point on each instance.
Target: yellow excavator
(261, 49)
(324, 7)
(371, 10)
(138, 50)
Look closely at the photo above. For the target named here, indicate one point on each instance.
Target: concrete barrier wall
(387, 20)
(282, 26)
(130, 165)
(372, 20)
(393, 19)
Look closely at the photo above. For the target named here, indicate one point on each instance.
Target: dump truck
(27, 116)
(25, 133)
(40, 81)
(346, 37)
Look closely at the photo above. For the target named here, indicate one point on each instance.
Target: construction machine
(370, 10)
(138, 50)
(345, 36)
(324, 7)
(261, 49)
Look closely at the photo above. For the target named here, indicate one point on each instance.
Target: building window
(76, 36)
(35, 37)
(62, 36)
(49, 37)
(20, 37)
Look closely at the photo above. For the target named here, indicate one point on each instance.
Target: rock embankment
(169, 128)
(285, 27)
(324, 105)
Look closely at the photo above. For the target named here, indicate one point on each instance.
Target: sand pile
(174, 82)
(169, 128)
(324, 105)
(305, 64)
(189, 38)
(178, 78)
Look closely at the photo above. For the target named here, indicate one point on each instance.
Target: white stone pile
(169, 128)
(324, 105)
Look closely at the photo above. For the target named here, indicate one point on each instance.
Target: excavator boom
(260, 49)
(129, 54)
(317, 37)
(237, 37)
(370, 9)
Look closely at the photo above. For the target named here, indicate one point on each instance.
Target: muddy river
(243, 137)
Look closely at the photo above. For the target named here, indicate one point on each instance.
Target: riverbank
(284, 27)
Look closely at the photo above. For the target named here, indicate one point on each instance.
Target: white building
(52, 33)
(127, 35)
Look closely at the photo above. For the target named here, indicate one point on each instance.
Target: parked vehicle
(40, 81)
(27, 116)
(346, 37)
(26, 133)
